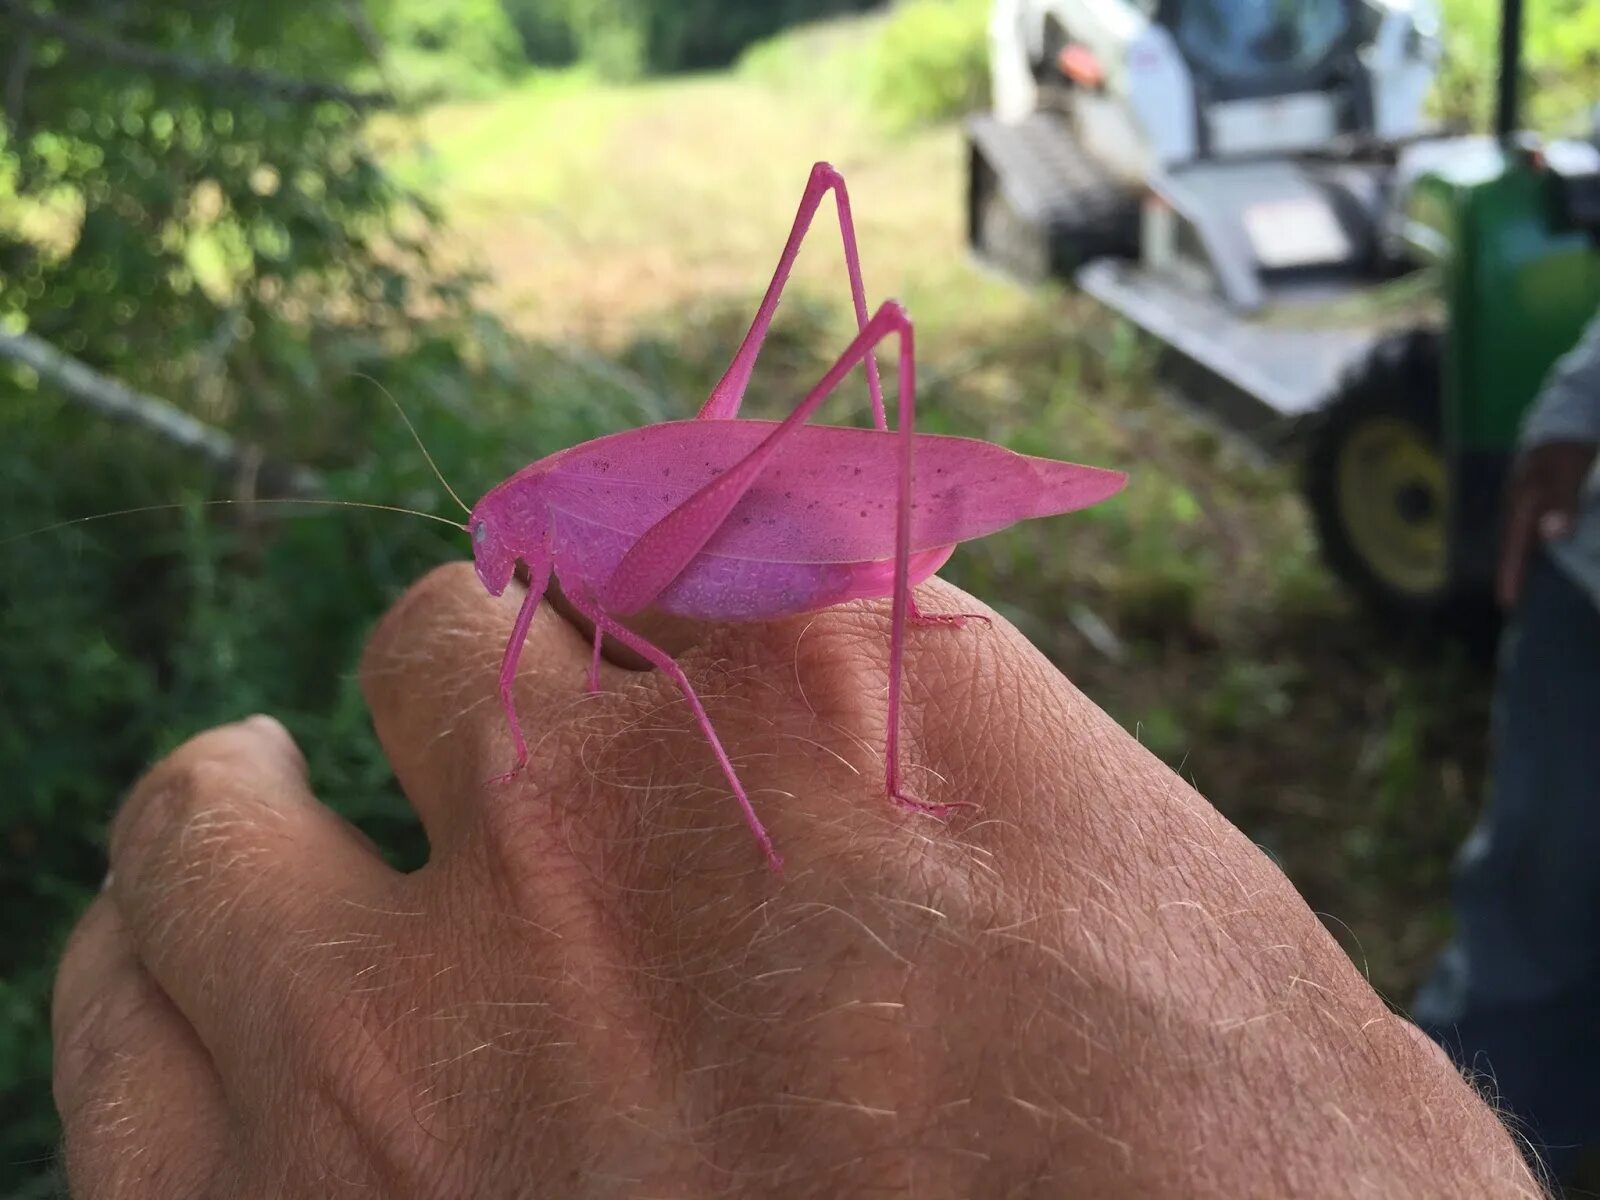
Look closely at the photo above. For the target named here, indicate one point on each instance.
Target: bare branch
(148, 58)
(371, 40)
(16, 84)
(117, 400)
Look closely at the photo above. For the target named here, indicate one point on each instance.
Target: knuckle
(204, 770)
(164, 803)
(431, 600)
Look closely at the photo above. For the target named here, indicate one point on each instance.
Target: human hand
(1541, 505)
(1091, 984)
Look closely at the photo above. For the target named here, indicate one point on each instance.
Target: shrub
(545, 31)
(463, 48)
(931, 62)
(1561, 72)
(626, 38)
(238, 250)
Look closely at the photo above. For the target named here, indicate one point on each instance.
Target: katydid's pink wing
(826, 496)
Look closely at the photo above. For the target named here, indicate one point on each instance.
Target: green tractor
(1384, 304)
(1406, 462)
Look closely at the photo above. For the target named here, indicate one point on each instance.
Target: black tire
(1379, 484)
(1091, 215)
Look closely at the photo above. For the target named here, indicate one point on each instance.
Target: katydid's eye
(478, 531)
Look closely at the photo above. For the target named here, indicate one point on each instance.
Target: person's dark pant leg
(1516, 995)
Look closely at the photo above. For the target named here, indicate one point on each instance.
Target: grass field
(637, 225)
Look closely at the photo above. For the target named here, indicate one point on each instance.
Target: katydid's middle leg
(594, 660)
(604, 623)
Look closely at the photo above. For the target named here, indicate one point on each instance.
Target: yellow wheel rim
(1394, 501)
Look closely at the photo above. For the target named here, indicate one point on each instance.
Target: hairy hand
(1089, 984)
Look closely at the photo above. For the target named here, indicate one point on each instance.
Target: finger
(1516, 545)
(219, 857)
(141, 1107)
(430, 675)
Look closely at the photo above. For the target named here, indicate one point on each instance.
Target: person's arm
(1559, 438)
(1568, 407)
(1089, 984)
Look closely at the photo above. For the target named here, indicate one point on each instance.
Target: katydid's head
(491, 549)
(512, 521)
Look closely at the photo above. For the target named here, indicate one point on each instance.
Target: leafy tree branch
(148, 58)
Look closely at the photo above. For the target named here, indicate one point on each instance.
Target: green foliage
(463, 48)
(1562, 69)
(216, 222)
(613, 36)
(242, 254)
(546, 33)
(931, 62)
(624, 39)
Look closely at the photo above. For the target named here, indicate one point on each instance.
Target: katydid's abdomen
(827, 495)
(817, 528)
(721, 587)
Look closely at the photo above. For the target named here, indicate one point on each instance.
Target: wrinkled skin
(1089, 985)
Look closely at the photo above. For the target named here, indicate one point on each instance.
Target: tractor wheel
(1090, 214)
(1378, 482)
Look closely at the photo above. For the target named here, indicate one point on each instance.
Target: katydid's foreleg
(508, 667)
(726, 396)
(952, 620)
(661, 659)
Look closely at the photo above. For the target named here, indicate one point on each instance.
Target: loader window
(1248, 42)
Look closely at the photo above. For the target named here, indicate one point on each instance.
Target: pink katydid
(723, 518)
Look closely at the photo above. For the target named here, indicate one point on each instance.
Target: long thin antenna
(144, 508)
(416, 437)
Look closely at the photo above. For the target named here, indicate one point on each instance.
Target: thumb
(1514, 550)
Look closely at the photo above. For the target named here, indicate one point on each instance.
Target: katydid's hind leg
(665, 662)
(508, 673)
(904, 608)
(729, 392)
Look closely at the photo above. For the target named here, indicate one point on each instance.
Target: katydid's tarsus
(722, 518)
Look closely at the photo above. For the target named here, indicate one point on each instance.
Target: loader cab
(1273, 78)
(1158, 83)
(1245, 49)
